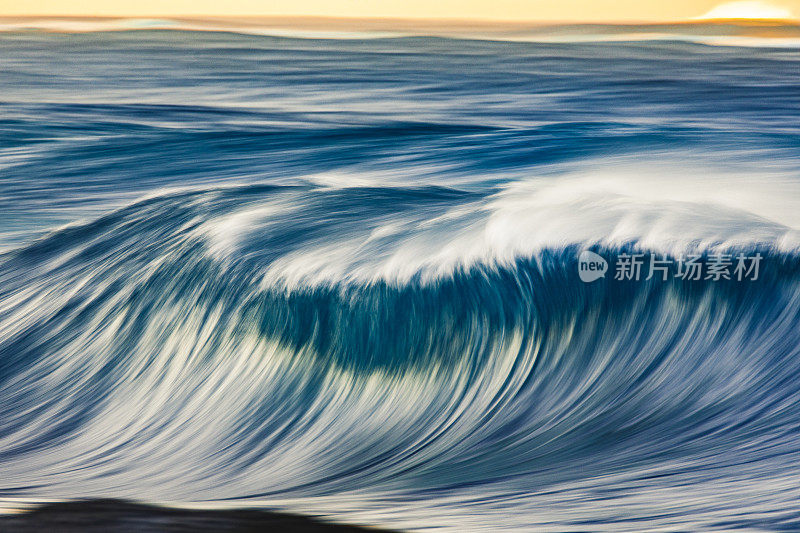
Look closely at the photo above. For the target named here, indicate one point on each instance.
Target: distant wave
(719, 33)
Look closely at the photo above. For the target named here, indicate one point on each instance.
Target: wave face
(341, 277)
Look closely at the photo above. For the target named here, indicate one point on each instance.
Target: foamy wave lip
(668, 211)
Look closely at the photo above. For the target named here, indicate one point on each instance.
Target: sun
(747, 9)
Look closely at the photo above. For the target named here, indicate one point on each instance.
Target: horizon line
(405, 19)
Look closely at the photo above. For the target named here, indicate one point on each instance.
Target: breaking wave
(175, 348)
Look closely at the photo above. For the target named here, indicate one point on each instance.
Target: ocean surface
(340, 276)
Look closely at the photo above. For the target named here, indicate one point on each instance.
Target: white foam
(667, 210)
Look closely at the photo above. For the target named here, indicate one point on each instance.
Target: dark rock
(118, 516)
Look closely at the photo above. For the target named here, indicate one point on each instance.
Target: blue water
(340, 277)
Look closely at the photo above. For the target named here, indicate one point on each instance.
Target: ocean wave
(124, 337)
(344, 278)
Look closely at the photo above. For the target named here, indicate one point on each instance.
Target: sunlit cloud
(748, 9)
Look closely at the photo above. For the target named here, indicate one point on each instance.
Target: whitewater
(340, 277)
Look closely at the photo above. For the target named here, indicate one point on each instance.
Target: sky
(513, 10)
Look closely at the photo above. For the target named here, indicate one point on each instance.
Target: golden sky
(520, 10)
